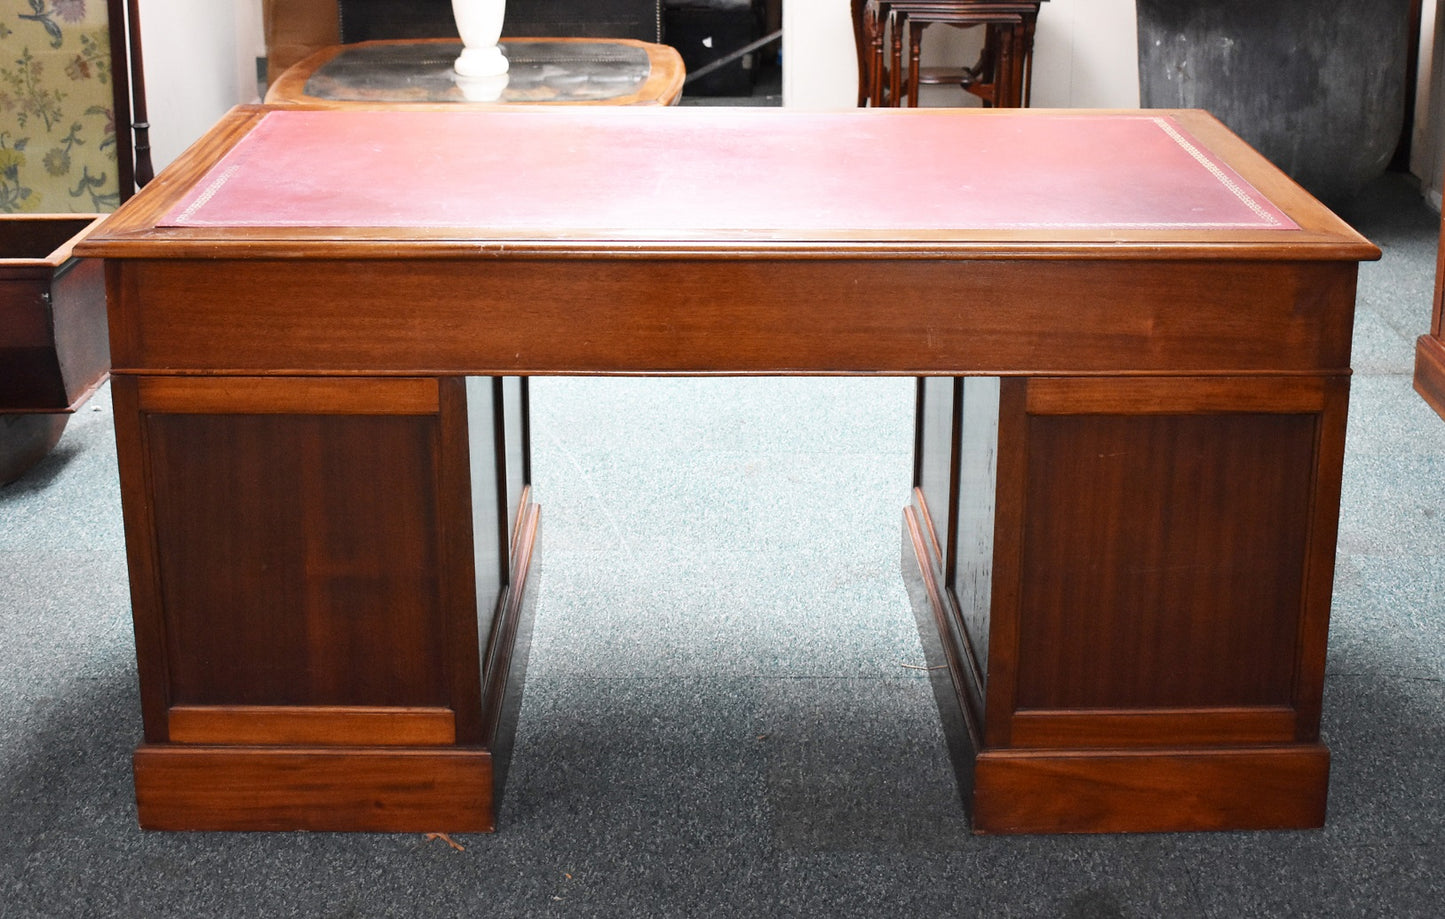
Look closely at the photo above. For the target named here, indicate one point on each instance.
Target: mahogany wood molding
(328, 725)
(322, 789)
(185, 315)
(1263, 788)
(288, 395)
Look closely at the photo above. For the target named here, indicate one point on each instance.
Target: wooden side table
(1000, 77)
(565, 71)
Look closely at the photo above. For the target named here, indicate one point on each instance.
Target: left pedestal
(327, 578)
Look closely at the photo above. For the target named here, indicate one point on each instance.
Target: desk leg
(326, 590)
(876, 70)
(895, 73)
(915, 57)
(1142, 646)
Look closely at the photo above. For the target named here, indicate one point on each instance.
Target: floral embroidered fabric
(57, 111)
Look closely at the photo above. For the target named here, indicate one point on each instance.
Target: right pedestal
(1131, 579)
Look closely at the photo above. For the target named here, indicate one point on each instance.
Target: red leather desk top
(697, 171)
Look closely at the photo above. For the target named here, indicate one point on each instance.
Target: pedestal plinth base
(1430, 372)
(417, 790)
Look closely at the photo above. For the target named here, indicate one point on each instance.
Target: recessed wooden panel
(487, 453)
(311, 725)
(298, 559)
(971, 574)
(1162, 727)
(1174, 395)
(288, 396)
(933, 455)
(1163, 560)
(516, 410)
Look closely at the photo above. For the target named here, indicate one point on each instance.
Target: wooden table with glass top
(564, 71)
(1132, 339)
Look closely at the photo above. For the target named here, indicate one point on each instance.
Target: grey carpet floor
(722, 714)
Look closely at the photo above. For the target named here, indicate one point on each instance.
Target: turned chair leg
(861, 42)
(897, 22)
(915, 41)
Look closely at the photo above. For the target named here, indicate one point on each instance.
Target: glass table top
(540, 71)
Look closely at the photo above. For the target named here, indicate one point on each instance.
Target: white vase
(482, 89)
(480, 25)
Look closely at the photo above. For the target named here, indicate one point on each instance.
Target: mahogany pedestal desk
(1133, 345)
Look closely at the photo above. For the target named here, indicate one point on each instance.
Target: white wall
(1427, 142)
(1085, 55)
(820, 68)
(200, 59)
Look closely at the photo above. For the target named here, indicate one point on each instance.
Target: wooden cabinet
(53, 345)
(1430, 349)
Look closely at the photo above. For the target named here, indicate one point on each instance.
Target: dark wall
(365, 20)
(1318, 87)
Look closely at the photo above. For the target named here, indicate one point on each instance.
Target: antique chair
(1000, 76)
